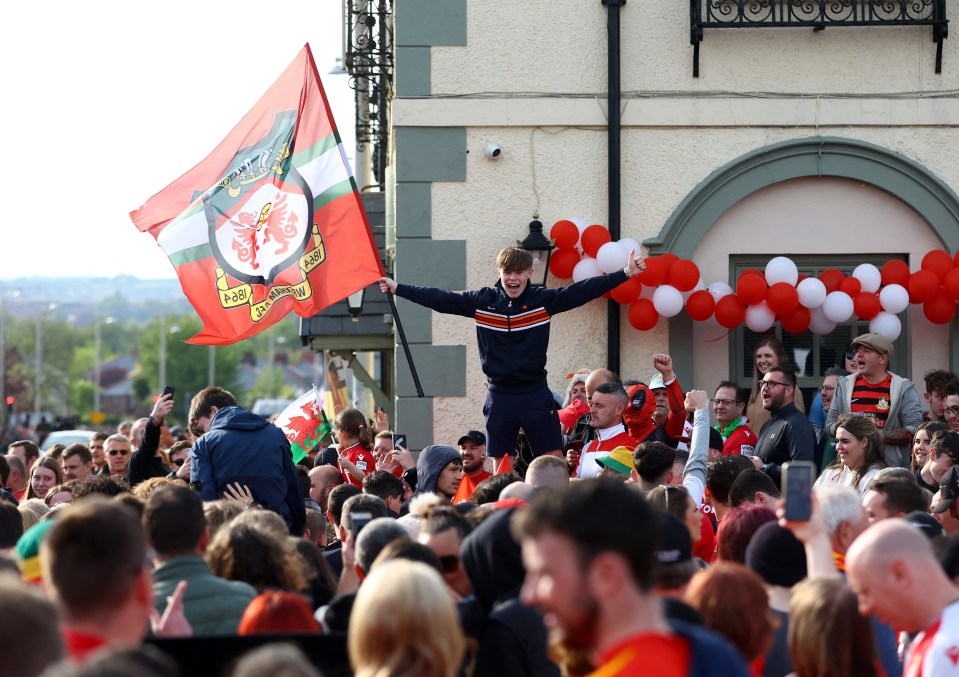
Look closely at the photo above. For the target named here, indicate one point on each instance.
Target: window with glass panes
(809, 355)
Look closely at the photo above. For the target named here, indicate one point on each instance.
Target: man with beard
(473, 452)
(592, 578)
(788, 435)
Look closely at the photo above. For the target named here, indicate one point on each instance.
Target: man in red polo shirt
(729, 404)
(873, 391)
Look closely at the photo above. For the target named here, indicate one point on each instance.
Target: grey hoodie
(430, 464)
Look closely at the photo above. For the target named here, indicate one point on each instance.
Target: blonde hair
(404, 623)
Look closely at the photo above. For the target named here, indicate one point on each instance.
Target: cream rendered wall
(532, 78)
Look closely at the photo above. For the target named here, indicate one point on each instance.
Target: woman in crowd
(920, 444)
(827, 636)
(676, 500)
(737, 529)
(733, 602)
(355, 437)
(859, 446)
(276, 611)
(404, 623)
(61, 493)
(769, 353)
(243, 552)
(45, 475)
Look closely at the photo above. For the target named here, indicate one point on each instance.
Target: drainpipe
(614, 173)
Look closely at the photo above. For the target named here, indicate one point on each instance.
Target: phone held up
(797, 481)
(169, 390)
(399, 441)
(358, 520)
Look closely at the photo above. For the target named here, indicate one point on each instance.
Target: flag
(304, 423)
(271, 221)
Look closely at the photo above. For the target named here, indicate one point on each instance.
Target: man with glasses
(117, 451)
(950, 410)
(873, 391)
(788, 435)
(729, 403)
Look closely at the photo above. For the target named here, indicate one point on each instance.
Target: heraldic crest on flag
(271, 221)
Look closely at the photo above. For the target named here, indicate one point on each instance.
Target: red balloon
(938, 262)
(668, 259)
(628, 291)
(851, 286)
(562, 262)
(750, 288)
(565, 234)
(940, 309)
(730, 311)
(951, 283)
(753, 271)
(642, 315)
(832, 278)
(700, 305)
(594, 237)
(683, 274)
(655, 273)
(797, 321)
(782, 298)
(867, 305)
(923, 286)
(895, 272)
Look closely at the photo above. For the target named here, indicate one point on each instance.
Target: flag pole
(406, 346)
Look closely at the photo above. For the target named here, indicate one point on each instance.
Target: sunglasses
(179, 461)
(119, 452)
(450, 563)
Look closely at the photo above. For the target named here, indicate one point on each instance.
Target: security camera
(493, 151)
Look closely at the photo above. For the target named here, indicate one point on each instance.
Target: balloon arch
(800, 302)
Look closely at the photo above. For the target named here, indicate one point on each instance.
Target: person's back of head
(174, 521)
(100, 485)
(383, 485)
(721, 473)
(901, 496)
(840, 505)
(218, 513)
(488, 490)
(408, 549)
(11, 525)
(92, 558)
(946, 442)
(375, 536)
(243, 552)
(518, 490)
(404, 622)
(547, 472)
(278, 611)
(264, 520)
(748, 484)
(374, 505)
(628, 526)
(29, 627)
(203, 402)
(738, 528)
(275, 660)
(654, 461)
(338, 497)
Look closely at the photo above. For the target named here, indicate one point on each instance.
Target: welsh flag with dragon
(271, 221)
(304, 423)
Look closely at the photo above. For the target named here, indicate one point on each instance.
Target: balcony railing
(818, 15)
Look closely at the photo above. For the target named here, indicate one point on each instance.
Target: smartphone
(797, 481)
(169, 390)
(399, 441)
(358, 520)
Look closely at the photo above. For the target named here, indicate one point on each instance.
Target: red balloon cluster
(935, 285)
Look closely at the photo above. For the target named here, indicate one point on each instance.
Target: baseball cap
(619, 459)
(474, 436)
(876, 342)
(716, 439)
(571, 414)
(656, 381)
(925, 522)
(948, 490)
(675, 545)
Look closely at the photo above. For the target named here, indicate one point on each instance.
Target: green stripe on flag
(191, 255)
(334, 192)
(316, 150)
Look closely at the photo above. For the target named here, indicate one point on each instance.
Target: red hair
(737, 529)
(278, 611)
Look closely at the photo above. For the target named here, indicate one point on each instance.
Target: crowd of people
(647, 535)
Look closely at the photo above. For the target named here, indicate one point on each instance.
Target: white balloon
(581, 224)
(586, 269)
(667, 300)
(781, 269)
(838, 306)
(894, 298)
(818, 322)
(629, 244)
(887, 325)
(812, 292)
(869, 277)
(611, 257)
(759, 317)
(719, 290)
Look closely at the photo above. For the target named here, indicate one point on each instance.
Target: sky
(106, 103)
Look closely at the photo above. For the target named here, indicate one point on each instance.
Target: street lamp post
(98, 360)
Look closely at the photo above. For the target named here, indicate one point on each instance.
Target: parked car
(267, 408)
(66, 438)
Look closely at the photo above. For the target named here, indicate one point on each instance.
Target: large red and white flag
(271, 221)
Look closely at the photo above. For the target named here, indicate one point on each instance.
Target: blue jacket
(513, 334)
(243, 447)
